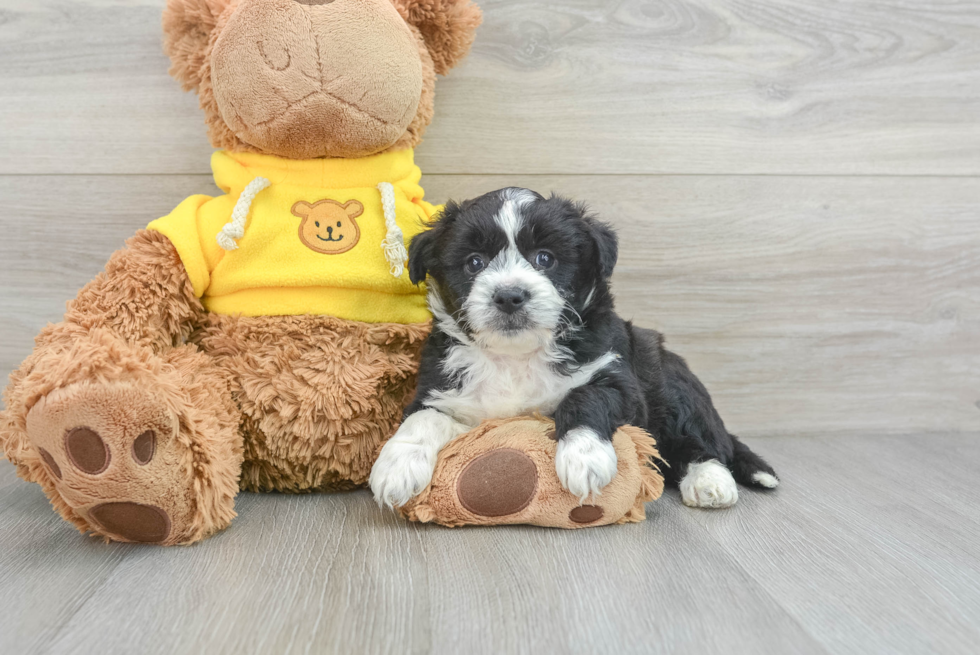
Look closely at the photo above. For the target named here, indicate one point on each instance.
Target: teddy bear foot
(503, 472)
(114, 456)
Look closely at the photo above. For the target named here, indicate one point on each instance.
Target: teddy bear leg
(503, 472)
(128, 444)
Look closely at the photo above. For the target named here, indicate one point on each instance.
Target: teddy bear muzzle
(307, 78)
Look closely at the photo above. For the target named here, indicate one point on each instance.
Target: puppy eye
(317, 223)
(474, 264)
(544, 260)
(338, 223)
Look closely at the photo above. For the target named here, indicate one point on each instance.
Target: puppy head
(513, 271)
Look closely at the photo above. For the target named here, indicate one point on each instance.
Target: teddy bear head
(316, 78)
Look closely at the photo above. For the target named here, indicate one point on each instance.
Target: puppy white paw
(402, 471)
(585, 462)
(406, 463)
(709, 484)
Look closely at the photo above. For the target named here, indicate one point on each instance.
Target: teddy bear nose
(314, 2)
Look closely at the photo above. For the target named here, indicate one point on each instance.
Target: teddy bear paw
(112, 454)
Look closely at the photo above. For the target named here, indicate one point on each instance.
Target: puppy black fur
(648, 386)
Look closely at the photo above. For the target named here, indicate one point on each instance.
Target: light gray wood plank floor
(871, 545)
(797, 188)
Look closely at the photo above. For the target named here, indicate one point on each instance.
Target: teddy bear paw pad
(498, 483)
(586, 514)
(112, 455)
(132, 522)
(144, 446)
(87, 451)
(51, 463)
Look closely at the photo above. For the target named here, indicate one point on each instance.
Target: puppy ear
(187, 27)
(447, 26)
(606, 243)
(422, 252)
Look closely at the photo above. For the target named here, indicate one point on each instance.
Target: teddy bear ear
(187, 27)
(302, 209)
(353, 208)
(448, 27)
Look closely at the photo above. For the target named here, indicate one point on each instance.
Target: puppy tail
(750, 469)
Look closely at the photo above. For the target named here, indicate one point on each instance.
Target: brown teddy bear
(267, 338)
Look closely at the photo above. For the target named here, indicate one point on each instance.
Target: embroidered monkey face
(329, 227)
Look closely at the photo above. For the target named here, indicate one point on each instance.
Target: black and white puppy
(524, 323)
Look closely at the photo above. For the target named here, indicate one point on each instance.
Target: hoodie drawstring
(234, 230)
(394, 241)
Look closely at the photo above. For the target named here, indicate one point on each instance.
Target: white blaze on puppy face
(509, 218)
(533, 325)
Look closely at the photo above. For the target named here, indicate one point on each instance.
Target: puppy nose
(511, 299)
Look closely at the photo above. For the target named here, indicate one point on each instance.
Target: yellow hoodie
(322, 236)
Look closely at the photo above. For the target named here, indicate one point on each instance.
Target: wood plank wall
(796, 182)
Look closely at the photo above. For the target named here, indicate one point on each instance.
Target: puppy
(524, 323)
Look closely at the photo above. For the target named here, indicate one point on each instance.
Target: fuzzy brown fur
(637, 481)
(447, 27)
(319, 394)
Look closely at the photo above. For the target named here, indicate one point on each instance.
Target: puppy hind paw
(765, 480)
(709, 485)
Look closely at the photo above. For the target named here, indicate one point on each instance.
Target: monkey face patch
(329, 227)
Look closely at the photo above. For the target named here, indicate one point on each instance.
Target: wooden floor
(797, 188)
(872, 545)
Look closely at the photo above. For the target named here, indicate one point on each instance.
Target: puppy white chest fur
(503, 385)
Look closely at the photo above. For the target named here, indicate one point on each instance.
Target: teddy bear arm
(140, 307)
(144, 296)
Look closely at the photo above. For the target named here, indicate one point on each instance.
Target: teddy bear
(266, 338)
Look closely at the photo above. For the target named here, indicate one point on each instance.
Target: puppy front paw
(402, 471)
(585, 462)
